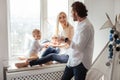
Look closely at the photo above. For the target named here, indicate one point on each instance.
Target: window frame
(43, 15)
(10, 55)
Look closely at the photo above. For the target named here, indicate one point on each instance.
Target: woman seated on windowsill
(66, 34)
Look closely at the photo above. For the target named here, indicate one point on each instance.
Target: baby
(54, 45)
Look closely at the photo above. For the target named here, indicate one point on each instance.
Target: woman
(65, 37)
(67, 28)
(64, 34)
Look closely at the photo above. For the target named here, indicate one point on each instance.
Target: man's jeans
(79, 72)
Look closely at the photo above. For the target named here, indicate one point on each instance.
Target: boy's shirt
(36, 47)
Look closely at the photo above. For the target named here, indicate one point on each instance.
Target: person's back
(88, 51)
(35, 48)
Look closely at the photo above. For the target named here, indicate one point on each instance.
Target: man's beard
(74, 18)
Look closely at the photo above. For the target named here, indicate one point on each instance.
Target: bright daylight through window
(25, 16)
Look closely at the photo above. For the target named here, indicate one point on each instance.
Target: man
(81, 48)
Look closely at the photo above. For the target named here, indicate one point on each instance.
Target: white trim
(43, 16)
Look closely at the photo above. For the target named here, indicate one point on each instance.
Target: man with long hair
(82, 45)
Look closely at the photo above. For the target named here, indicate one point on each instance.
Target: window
(52, 12)
(24, 17)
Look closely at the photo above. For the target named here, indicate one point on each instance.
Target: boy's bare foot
(21, 65)
(48, 63)
(21, 58)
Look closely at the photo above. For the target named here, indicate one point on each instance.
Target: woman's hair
(80, 8)
(57, 25)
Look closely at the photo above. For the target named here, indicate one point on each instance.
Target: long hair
(57, 23)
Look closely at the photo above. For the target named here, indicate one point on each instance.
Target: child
(52, 46)
(36, 47)
(55, 45)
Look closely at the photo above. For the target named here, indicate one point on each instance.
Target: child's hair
(54, 37)
(35, 32)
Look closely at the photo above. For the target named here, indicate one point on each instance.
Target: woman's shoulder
(70, 26)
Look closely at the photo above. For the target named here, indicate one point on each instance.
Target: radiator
(53, 72)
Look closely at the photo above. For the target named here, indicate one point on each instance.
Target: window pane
(24, 17)
(52, 11)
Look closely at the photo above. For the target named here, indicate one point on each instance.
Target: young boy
(36, 47)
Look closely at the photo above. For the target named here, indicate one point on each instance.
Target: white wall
(117, 7)
(3, 35)
(96, 12)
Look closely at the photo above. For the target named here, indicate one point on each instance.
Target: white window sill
(11, 70)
